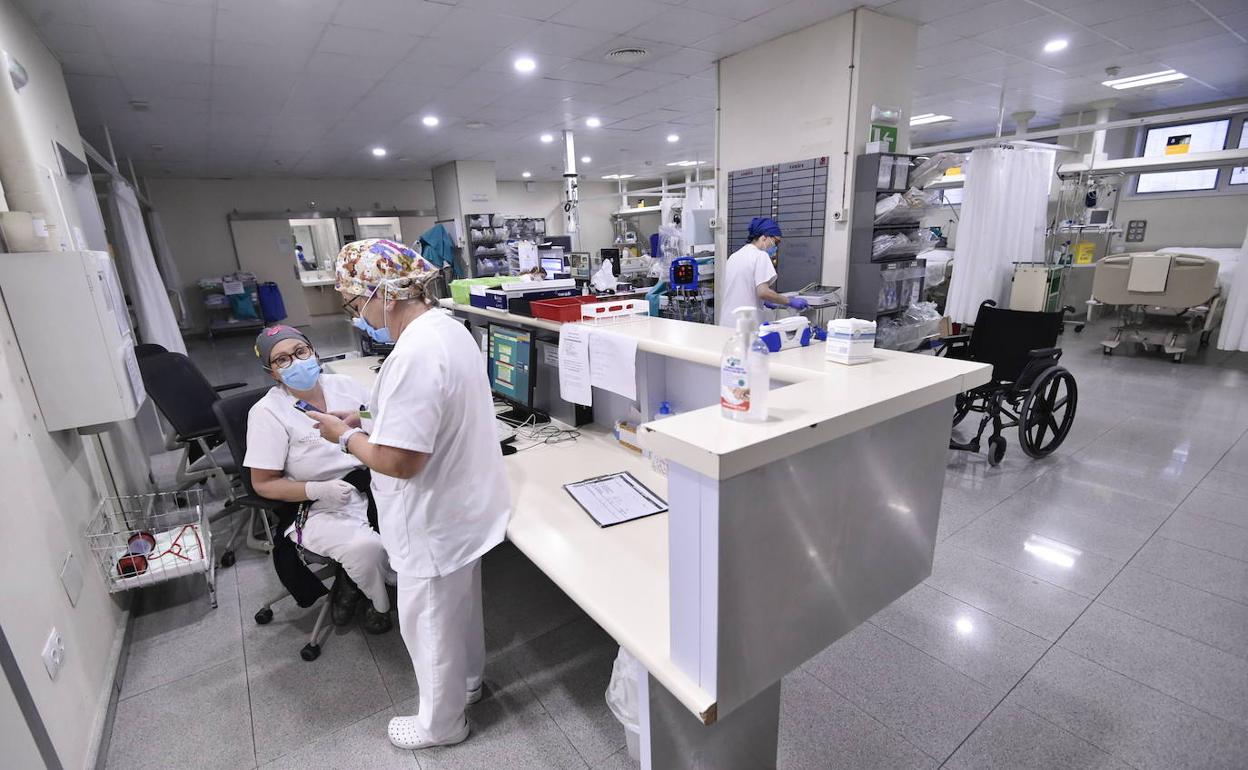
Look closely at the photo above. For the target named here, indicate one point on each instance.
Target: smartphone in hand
(305, 407)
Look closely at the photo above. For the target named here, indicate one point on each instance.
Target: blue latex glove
(769, 306)
(798, 304)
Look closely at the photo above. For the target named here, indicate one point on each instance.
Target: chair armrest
(955, 339)
(1039, 353)
(229, 386)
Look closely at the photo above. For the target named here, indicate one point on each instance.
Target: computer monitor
(562, 241)
(553, 264)
(512, 368)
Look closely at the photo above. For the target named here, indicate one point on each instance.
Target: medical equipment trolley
(142, 540)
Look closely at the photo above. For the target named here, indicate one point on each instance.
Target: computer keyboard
(506, 432)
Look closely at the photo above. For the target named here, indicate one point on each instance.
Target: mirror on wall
(316, 243)
(378, 227)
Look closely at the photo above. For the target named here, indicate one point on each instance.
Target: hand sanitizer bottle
(744, 371)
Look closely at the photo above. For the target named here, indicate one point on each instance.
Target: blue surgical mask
(301, 375)
(380, 336)
(771, 250)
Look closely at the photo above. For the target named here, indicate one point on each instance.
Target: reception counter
(781, 537)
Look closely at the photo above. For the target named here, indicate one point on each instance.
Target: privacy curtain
(1234, 333)
(1003, 220)
(157, 323)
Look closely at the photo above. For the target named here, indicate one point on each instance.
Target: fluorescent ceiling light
(585, 159)
(526, 174)
(619, 176)
(928, 117)
(684, 163)
(1058, 44)
(547, 138)
(379, 152)
(673, 137)
(430, 120)
(964, 626)
(1139, 81)
(593, 122)
(524, 64)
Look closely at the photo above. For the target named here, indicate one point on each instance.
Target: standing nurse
(438, 478)
(749, 273)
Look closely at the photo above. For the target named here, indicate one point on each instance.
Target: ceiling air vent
(627, 55)
(140, 105)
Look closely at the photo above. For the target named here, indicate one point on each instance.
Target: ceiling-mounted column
(571, 213)
(807, 95)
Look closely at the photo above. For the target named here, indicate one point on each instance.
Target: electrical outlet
(54, 653)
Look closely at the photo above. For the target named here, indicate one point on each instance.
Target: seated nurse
(288, 461)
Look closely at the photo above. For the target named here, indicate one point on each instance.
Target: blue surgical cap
(764, 226)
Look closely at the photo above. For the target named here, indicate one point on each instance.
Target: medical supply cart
(143, 540)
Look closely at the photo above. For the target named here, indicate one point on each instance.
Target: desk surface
(618, 575)
(826, 400)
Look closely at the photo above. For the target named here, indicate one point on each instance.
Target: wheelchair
(1029, 389)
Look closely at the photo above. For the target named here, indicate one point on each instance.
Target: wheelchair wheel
(1047, 412)
(961, 407)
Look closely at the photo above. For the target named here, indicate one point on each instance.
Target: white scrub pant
(349, 541)
(442, 625)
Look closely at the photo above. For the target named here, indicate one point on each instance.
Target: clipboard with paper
(615, 498)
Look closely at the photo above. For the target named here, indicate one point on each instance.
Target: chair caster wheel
(227, 559)
(310, 652)
(264, 616)
(1078, 328)
(996, 450)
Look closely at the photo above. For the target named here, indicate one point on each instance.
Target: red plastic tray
(561, 309)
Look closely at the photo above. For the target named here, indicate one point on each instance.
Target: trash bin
(622, 699)
(271, 305)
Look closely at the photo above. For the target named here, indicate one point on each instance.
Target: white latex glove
(334, 492)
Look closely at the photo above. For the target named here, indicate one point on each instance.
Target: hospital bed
(1164, 300)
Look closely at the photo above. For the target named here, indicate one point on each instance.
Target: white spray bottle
(744, 371)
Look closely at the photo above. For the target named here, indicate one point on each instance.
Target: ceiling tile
(390, 45)
(740, 10)
(250, 58)
(608, 15)
(589, 72)
(148, 18)
(72, 38)
(529, 9)
(644, 80)
(87, 64)
(343, 65)
(415, 16)
(929, 10)
(263, 24)
(681, 26)
(1110, 10)
(503, 62)
(798, 14)
(1002, 13)
(561, 40)
(686, 61)
(737, 39)
(472, 24)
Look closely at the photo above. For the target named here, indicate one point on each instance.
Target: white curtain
(1234, 333)
(1004, 216)
(157, 322)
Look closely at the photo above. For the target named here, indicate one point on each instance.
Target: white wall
(793, 98)
(1209, 220)
(194, 213)
(597, 201)
(47, 478)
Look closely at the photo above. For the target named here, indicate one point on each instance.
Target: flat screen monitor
(553, 265)
(511, 365)
(564, 241)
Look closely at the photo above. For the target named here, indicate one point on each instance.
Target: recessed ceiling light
(1139, 81)
(673, 137)
(547, 138)
(1055, 45)
(526, 174)
(430, 120)
(593, 122)
(524, 64)
(685, 163)
(476, 124)
(586, 159)
(379, 152)
(619, 176)
(927, 118)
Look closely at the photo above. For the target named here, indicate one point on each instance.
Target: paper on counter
(574, 373)
(613, 362)
(615, 498)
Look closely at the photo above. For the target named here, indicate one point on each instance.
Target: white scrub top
(281, 438)
(746, 269)
(432, 395)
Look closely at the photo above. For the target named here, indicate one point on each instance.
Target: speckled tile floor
(1121, 640)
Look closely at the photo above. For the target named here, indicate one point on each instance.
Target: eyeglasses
(302, 353)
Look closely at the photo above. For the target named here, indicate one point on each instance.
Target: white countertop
(316, 277)
(617, 575)
(826, 400)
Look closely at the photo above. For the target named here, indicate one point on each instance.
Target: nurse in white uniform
(438, 477)
(749, 274)
(289, 461)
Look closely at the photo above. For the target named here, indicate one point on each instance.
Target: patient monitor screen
(511, 364)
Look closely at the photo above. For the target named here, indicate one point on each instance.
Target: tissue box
(850, 340)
